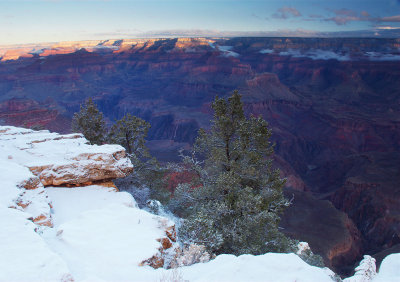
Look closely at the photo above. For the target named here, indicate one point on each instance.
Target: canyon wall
(333, 105)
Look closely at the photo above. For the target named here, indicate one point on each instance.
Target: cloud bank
(286, 12)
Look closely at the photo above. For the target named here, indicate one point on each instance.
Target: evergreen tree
(130, 132)
(90, 122)
(238, 198)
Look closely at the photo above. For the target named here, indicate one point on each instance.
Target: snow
(69, 203)
(37, 200)
(101, 235)
(365, 272)
(389, 270)
(268, 268)
(12, 175)
(302, 247)
(38, 148)
(97, 230)
(24, 255)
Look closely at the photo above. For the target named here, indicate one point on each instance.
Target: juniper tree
(130, 132)
(236, 205)
(90, 122)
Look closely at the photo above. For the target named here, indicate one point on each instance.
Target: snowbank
(101, 233)
(268, 268)
(24, 255)
(389, 270)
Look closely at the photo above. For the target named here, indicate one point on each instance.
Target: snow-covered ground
(99, 234)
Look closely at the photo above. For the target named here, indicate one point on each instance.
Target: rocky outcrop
(50, 158)
(54, 160)
(171, 255)
(168, 249)
(84, 169)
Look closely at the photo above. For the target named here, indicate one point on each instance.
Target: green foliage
(130, 132)
(236, 206)
(90, 122)
(312, 259)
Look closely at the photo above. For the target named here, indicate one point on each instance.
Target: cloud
(376, 56)
(314, 16)
(365, 14)
(391, 19)
(171, 33)
(345, 12)
(388, 27)
(218, 33)
(226, 51)
(286, 12)
(317, 54)
(343, 16)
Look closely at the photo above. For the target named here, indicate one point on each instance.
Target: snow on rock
(389, 270)
(365, 272)
(32, 159)
(24, 255)
(302, 248)
(270, 267)
(14, 194)
(37, 204)
(62, 159)
(12, 178)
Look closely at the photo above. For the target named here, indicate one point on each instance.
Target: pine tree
(130, 132)
(238, 198)
(90, 122)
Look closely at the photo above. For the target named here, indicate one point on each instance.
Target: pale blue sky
(32, 21)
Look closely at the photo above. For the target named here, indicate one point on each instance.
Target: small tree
(236, 205)
(130, 132)
(90, 122)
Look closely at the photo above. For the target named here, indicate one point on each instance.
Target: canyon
(333, 105)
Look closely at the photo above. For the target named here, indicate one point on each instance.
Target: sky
(35, 21)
